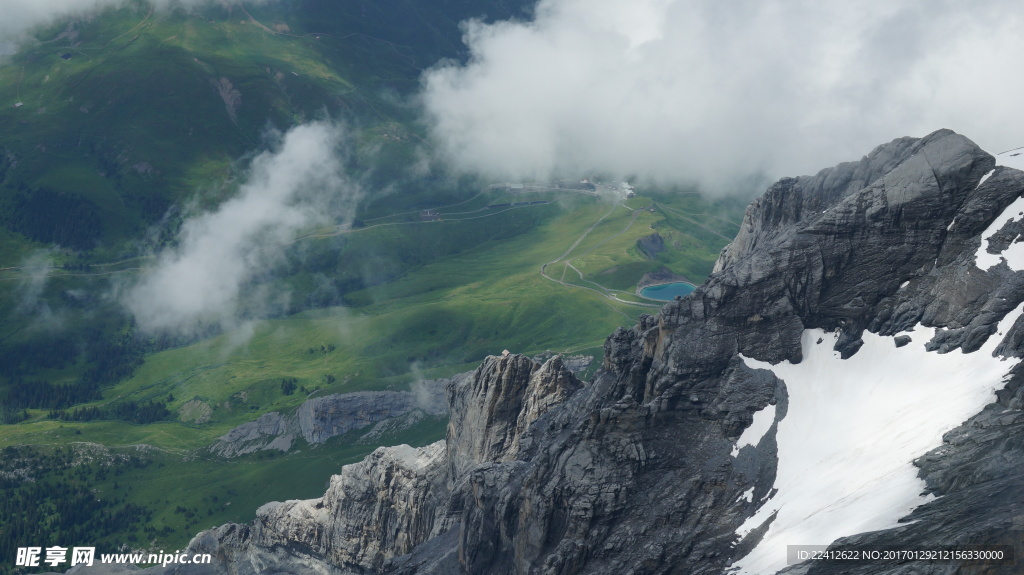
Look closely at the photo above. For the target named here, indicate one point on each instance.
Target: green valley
(117, 130)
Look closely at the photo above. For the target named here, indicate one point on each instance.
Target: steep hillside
(857, 348)
(154, 117)
(119, 126)
(123, 114)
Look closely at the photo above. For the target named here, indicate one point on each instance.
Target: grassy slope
(449, 292)
(133, 121)
(183, 496)
(458, 308)
(440, 317)
(437, 318)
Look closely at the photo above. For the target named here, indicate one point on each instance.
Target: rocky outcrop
(321, 418)
(195, 411)
(492, 411)
(379, 433)
(639, 471)
(372, 511)
(651, 245)
(577, 364)
(270, 431)
(399, 497)
(795, 201)
(232, 97)
(662, 275)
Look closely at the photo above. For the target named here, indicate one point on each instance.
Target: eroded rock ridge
(634, 471)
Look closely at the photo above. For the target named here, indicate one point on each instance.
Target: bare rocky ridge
(321, 418)
(399, 497)
(633, 472)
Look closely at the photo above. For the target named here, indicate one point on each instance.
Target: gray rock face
(374, 510)
(399, 497)
(271, 429)
(491, 411)
(577, 364)
(634, 471)
(661, 275)
(379, 432)
(321, 418)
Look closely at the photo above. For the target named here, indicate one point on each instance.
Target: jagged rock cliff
(321, 418)
(676, 457)
(399, 497)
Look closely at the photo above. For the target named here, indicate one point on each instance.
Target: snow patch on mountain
(752, 435)
(852, 430)
(1013, 255)
(987, 175)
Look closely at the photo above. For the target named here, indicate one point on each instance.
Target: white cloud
(36, 270)
(286, 190)
(709, 91)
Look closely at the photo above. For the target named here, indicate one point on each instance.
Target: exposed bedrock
(635, 472)
(321, 418)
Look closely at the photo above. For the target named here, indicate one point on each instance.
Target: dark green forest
(60, 505)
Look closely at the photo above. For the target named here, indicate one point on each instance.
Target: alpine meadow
(510, 287)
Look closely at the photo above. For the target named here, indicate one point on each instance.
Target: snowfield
(854, 427)
(1014, 254)
(752, 435)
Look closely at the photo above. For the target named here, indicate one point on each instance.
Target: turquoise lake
(667, 292)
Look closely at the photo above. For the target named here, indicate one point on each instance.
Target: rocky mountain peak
(492, 410)
(901, 170)
(682, 453)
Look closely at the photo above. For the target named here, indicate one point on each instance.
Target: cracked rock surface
(633, 472)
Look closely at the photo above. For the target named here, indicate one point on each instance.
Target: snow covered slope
(853, 428)
(1013, 254)
(853, 350)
